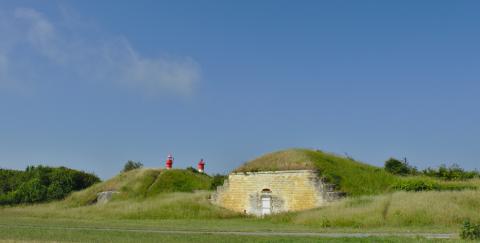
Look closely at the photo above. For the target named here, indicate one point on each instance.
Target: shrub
(41, 183)
(132, 165)
(453, 172)
(191, 169)
(416, 184)
(397, 167)
(217, 181)
(470, 231)
(56, 191)
(32, 191)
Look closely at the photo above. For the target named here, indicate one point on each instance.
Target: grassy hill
(143, 183)
(143, 194)
(353, 177)
(153, 194)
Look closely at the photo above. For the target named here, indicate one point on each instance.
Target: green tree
(56, 191)
(31, 191)
(397, 167)
(41, 183)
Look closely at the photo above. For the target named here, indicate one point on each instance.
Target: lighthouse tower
(169, 162)
(201, 166)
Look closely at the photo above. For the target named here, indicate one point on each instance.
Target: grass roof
(352, 177)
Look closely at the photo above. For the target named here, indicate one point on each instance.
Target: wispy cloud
(28, 33)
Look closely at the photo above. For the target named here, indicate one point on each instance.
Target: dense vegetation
(41, 183)
(470, 231)
(217, 180)
(453, 172)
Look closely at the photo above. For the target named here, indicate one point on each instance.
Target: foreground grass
(88, 235)
(131, 220)
(399, 209)
(430, 211)
(176, 205)
(15, 228)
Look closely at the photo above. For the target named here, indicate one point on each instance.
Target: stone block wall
(289, 191)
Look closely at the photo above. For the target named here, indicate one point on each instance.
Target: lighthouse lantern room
(201, 166)
(169, 162)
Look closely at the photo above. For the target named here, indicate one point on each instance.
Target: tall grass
(399, 209)
(176, 205)
(446, 209)
(354, 177)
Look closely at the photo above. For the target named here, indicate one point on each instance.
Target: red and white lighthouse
(169, 163)
(201, 166)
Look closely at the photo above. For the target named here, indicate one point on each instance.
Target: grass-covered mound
(142, 183)
(353, 177)
(143, 194)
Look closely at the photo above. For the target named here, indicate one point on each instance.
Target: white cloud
(101, 59)
(41, 34)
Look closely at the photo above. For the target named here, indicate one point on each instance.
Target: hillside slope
(142, 183)
(352, 177)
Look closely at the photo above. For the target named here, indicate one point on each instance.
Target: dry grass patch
(399, 209)
(292, 159)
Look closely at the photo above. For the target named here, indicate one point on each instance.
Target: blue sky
(90, 85)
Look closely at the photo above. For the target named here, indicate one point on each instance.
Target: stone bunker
(267, 192)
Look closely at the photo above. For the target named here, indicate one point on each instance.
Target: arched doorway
(266, 198)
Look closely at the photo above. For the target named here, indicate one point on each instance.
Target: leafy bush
(41, 183)
(31, 192)
(470, 231)
(218, 181)
(398, 167)
(453, 172)
(132, 165)
(416, 184)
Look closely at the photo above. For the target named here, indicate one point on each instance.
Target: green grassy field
(174, 200)
(11, 234)
(401, 210)
(20, 228)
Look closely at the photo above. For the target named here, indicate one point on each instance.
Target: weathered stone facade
(261, 193)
